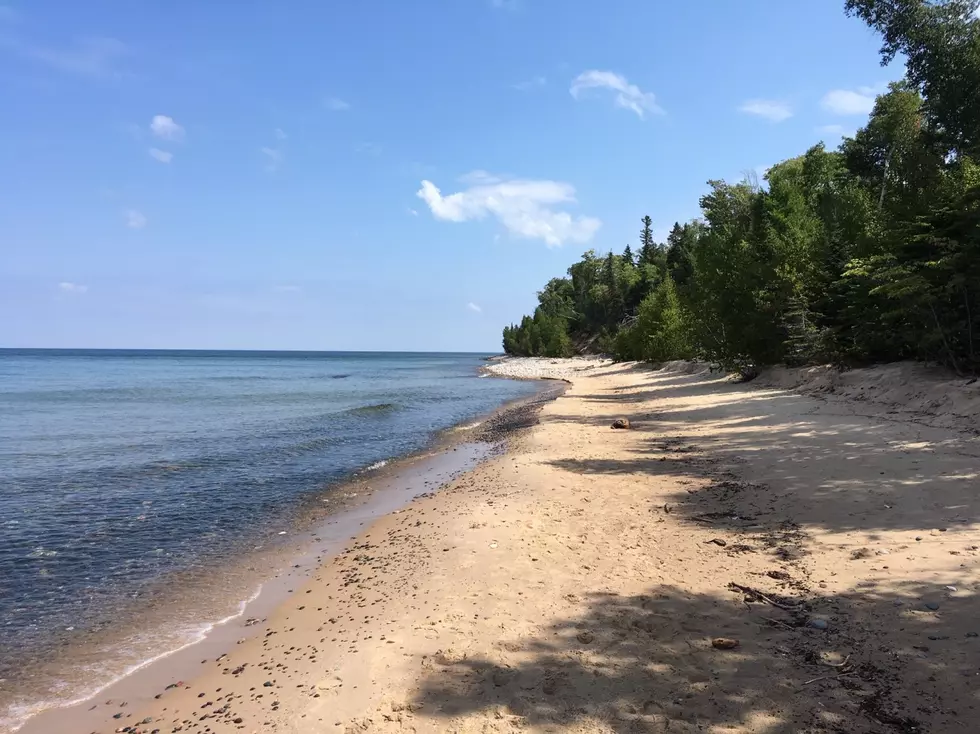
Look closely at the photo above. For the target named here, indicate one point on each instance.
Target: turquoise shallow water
(121, 468)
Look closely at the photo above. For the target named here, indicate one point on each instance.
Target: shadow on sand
(770, 464)
(630, 664)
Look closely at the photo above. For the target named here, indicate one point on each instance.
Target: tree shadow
(798, 459)
(646, 663)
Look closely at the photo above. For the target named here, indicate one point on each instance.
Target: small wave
(376, 465)
(377, 409)
(164, 466)
(17, 715)
(237, 378)
(468, 426)
(41, 552)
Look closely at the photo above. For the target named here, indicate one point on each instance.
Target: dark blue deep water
(119, 467)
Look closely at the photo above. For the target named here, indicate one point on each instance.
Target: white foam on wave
(377, 465)
(17, 715)
(469, 426)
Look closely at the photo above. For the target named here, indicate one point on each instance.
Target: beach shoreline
(744, 558)
(322, 524)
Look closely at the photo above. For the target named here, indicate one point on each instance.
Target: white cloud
(474, 307)
(851, 102)
(134, 219)
(280, 134)
(529, 84)
(273, 158)
(161, 155)
(66, 287)
(524, 207)
(769, 109)
(165, 128)
(413, 212)
(336, 104)
(92, 57)
(628, 96)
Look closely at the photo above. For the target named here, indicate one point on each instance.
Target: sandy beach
(794, 554)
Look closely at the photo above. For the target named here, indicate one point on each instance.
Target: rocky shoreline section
(545, 368)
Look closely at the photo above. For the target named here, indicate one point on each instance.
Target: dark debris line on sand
(519, 416)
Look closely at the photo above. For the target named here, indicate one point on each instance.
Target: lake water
(120, 470)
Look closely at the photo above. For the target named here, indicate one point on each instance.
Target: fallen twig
(768, 600)
(779, 622)
(825, 677)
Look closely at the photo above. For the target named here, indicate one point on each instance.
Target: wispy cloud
(134, 219)
(280, 134)
(163, 156)
(768, 109)
(92, 57)
(835, 131)
(479, 176)
(413, 212)
(831, 129)
(474, 307)
(76, 288)
(505, 4)
(8, 14)
(628, 96)
(524, 207)
(273, 158)
(533, 83)
(860, 101)
(336, 104)
(368, 149)
(165, 128)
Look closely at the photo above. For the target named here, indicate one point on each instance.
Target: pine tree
(647, 245)
(628, 256)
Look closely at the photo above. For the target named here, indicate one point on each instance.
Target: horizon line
(236, 349)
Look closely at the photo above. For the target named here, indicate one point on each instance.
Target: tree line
(866, 253)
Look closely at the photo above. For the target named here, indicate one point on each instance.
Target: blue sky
(379, 174)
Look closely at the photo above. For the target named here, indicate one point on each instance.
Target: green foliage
(660, 331)
(540, 335)
(940, 40)
(867, 253)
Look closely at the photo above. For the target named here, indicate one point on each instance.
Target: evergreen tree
(628, 256)
(647, 245)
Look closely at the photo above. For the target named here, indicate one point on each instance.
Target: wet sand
(743, 559)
